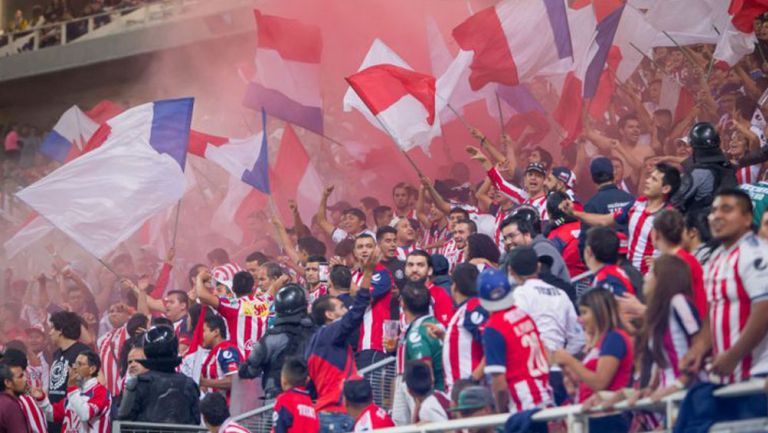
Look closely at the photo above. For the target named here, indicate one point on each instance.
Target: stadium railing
(576, 419)
(96, 25)
(382, 378)
(144, 427)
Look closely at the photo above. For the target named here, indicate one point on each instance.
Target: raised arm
(283, 238)
(484, 200)
(592, 219)
(488, 146)
(202, 292)
(440, 202)
(298, 225)
(322, 220)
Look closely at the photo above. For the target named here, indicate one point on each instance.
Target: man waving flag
(104, 196)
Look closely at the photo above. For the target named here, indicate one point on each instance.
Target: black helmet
(161, 344)
(290, 299)
(704, 136)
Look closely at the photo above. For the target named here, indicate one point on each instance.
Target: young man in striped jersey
(736, 282)
(660, 185)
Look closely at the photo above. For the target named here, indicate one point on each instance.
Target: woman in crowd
(608, 363)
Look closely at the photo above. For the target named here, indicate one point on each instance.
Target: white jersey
(735, 279)
(554, 315)
(453, 254)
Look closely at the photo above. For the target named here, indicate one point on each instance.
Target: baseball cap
(358, 391)
(565, 175)
(495, 290)
(537, 167)
(225, 273)
(473, 398)
(601, 165)
(623, 243)
(523, 260)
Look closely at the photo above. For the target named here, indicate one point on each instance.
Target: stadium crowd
(634, 264)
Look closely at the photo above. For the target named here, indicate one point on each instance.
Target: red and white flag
(403, 101)
(738, 38)
(516, 40)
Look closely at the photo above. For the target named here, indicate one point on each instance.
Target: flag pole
(176, 223)
(679, 47)
(109, 268)
(408, 157)
(459, 116)
(501, 116)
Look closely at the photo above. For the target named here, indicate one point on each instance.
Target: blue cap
(494, 290)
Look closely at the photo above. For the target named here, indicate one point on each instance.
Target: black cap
(537, 167)
(358, 391)
(523, 261)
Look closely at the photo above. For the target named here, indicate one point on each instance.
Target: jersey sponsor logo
(476, 317)
(415, 337)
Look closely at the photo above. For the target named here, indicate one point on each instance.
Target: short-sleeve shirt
(222, 361)
(615, 343)
(417, 344)
(372, 418)
(639, 222)
(513, 347)
(736, 278)
(294, 413)
(247, 319)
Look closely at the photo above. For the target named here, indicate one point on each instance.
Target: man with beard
(418, 269)
(13, 383)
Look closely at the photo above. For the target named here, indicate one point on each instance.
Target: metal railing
(577, 418)
(145, 427)
(382, 378)
(64, 32)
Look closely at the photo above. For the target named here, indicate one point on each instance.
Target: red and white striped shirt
(463, 344)
(518, 195)
(83, 410)
(735, 279)
(35, 416)
(230, 426)
(109, 350)
(372, 328)
(246, 320)
(748, 174)
(320, 290)
(222, 361)
(402, 252)
(640, 225)
(684, 323)
(454, 254)
(435, 235)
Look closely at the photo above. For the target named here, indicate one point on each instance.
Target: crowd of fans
(634, 264)
(57, 11)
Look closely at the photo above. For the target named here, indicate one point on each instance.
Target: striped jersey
(463, 343)
(110, 345)
(320, 290)
(34, 415)
(684, 323)
(380, 309)
(230, 426)
(83, 410)
(735, 278)
(453, 254)
(246, 319)
(639, 222)
(402, 252)
(748, 174)
(518, 195)
(222, 361)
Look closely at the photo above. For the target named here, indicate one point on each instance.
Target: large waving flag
(247, 161)
(294, 176)
(738, 38)
(287, 81)
(69, 135)
(402, 100)
(688, 22)
(595, 26)
(516, 40)
(102, 198)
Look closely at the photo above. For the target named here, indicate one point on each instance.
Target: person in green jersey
(758, 192)
(416, 344)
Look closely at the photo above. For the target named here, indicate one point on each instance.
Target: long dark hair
(673, 277)
(604, 308)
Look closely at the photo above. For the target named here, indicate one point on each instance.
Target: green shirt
(759, 194)
(420, 346)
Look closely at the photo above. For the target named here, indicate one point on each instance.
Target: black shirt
(61, 361)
